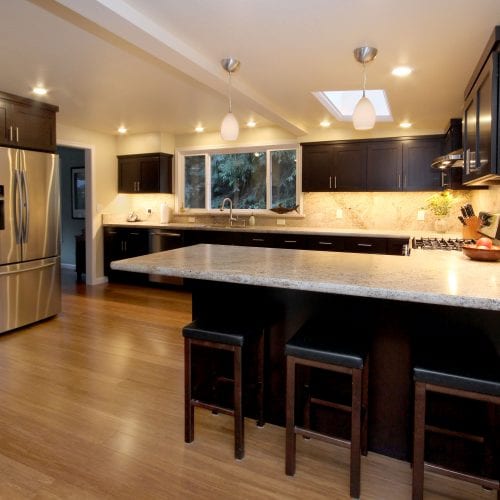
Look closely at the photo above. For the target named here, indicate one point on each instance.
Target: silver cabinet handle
(325, 243)
(138, 185)
(330, 182)
(17, 134)
(290, 241)
(369, 245)
(405, 183)
(399, 181)
(258, 239)
(335, 179)
(11, 133)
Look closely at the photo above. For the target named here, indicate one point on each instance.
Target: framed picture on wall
(78, 192)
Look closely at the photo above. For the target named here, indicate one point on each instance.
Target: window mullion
(269, 182)
(208, 181)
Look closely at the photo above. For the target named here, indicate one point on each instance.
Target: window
(254, 179)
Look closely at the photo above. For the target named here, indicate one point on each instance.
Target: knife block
(469, 231)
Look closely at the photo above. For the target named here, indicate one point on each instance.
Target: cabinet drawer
(398, 246)
(257, 240)
(365, 245)
(327, 243)
(290, 241)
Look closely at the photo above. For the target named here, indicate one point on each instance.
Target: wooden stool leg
(418, 442)
(188, 406)
(290, 417)
(260, 381)
(364, 408)
(355, 482)
(239, 428)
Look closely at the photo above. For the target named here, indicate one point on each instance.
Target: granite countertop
(438, 277)
(271, 229)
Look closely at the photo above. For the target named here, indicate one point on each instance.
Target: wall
(100, 159)
(69, 157)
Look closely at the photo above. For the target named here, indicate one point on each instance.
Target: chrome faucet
(231, 218)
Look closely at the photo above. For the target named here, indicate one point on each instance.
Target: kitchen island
(395, 298)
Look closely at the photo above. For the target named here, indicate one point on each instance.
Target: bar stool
(235, 339)
(318, 346)
(463, 366)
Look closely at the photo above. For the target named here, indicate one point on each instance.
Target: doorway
(73, 186)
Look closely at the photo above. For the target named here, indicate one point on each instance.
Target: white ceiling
(154, 65)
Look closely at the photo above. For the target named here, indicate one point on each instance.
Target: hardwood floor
(91, 406)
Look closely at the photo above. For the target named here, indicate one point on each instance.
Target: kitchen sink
(240, 225)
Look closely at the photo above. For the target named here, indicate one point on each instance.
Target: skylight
(341, 103)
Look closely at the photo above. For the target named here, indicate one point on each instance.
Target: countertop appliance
(30, 279)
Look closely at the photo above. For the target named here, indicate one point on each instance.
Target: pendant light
(364, 116)
(229, 128)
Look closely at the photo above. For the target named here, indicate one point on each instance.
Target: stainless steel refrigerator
(30, 276)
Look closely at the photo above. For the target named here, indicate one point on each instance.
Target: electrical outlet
(339, 214)
(149, 211)
(421, 215)
(191, 219)
(280, 222)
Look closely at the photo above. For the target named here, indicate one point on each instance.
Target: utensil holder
(469, 231)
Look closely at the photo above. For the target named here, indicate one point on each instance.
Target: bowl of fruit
(482, 249)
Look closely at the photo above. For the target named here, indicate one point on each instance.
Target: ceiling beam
(121, 20)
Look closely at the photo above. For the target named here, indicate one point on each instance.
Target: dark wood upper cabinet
(334, 167)
(395, 164)
(481, 123)
(27, 124)
(384, 166)
(418, 175)
(145, 173)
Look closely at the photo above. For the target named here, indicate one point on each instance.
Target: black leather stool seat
(466, 362)
(224, 333)
(317, 341)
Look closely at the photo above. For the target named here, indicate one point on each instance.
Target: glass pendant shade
(229, 128)
(364, 115)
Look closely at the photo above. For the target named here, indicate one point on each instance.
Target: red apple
(484, 242)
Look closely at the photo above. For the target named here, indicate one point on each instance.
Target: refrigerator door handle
(26, 218)
(18, 207)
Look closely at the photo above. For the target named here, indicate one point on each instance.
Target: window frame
(207, 151)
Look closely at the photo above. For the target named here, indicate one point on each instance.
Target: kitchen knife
(469, 210)
(462, 220)
(464, 212)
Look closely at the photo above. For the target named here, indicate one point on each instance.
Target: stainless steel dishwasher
(159, 241)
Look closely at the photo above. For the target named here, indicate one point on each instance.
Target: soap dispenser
(251, 220)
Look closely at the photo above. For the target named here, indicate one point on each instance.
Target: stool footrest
(322, 437)
(331, 404)
(448, 432)
(212, 407)
(493, 484)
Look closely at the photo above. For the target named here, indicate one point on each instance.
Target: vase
(440, 225)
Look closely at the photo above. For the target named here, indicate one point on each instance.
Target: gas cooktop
(440, 243)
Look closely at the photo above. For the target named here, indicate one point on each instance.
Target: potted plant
(440, 205)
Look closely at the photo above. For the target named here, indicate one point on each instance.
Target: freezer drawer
(29, 292)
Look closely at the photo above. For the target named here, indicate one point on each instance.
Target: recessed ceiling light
(405, 124)
(39, 90)
(122, 130)
(251, 123)
(325, 124)
(402, 71)
(199, 129)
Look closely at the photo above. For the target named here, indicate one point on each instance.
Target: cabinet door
(316, 168)
(3, 122)
(149, 175)
(136, 242)
(113, 248)
(349, 167)
(34, 128)
(418, 175)
(257, 239)
(327, 243)
(128, 175)
(384, 166)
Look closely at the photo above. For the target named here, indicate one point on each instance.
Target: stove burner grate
(440, 243)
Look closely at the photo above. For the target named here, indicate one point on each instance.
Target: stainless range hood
(453, 159)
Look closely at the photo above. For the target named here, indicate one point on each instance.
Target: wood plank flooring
(91, 407)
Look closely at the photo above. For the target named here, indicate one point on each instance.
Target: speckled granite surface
(437, 277)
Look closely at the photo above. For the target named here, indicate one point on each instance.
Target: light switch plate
(421, 215)
(339, 214)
